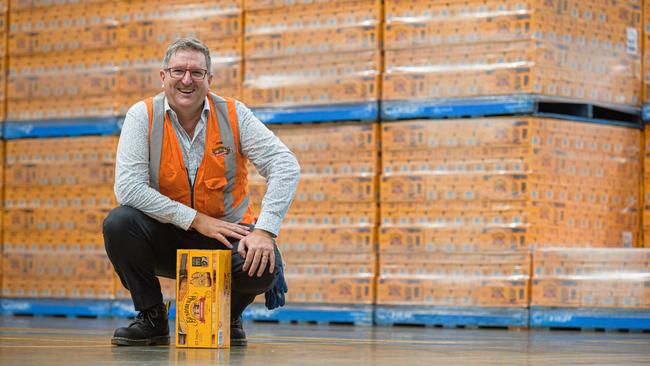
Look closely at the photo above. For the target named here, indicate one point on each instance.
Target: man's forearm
(154, 204)
(281, 188)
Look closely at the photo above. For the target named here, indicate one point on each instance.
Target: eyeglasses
(178, 73)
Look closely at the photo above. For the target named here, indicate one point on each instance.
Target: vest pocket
(216, 183)
(214, 196)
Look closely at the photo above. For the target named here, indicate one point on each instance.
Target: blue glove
(275, 296)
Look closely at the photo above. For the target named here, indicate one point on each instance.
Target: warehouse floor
(59, 341)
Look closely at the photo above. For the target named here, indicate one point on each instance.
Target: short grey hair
(192, 44)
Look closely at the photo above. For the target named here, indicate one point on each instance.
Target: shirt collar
(204, 113)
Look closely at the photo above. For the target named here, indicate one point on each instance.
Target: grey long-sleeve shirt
(271, 157)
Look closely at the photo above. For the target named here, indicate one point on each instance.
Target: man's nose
(187, 77)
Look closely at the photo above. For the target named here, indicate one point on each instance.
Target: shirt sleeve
(132, 173)
(275, 162)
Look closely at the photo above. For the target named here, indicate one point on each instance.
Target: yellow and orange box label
(203, 283)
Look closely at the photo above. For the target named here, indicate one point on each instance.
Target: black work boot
(237, 335)
(150, 328)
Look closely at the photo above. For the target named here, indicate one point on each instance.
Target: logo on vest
(221, 150)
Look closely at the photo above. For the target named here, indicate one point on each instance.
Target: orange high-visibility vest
(220, 188)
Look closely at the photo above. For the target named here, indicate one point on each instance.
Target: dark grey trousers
(141, 248)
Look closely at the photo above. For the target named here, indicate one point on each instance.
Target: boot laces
(145, 318)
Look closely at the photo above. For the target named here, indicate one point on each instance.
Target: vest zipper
(191, 188)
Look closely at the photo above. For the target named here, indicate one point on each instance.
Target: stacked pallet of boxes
(61, 60)
(453, 201)
(4, 18)
(646, 117)
(454, 189)
(571, 48)
(607, 282)
(594, 278)
(646, 187)
(81, 60)
(304, 53)
(328, 238)
(2, 249)
(58, 192)
(467, 198)
(97, 58)
(3, 85)
(591, 288)
(646, 53)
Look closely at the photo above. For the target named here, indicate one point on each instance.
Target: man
(181, 181)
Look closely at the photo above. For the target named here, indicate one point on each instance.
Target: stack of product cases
(4, 18)
(571, 48)
(97, 58)
(482, 192)
(646, 52)
(2, 249)
(92, 59)
(3, 83)
(646, 103)
(594, 278)
(646, 187)
(471, 197)
(329, 236)
(58, 191)
(310, 52)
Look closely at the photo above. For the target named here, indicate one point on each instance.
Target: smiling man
(181, 181)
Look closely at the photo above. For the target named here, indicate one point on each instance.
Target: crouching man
(181, 182)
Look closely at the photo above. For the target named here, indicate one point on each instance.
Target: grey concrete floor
(73, 341)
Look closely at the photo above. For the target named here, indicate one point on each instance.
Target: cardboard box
(203, 283)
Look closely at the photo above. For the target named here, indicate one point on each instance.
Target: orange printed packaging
(203, 280)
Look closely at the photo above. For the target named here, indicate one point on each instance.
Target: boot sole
(238, 342)
(154, 341)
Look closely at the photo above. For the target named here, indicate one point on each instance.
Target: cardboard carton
(203, 298)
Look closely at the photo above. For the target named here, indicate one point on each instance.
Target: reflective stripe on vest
(236, 203)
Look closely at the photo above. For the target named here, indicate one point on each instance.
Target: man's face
(185, 92)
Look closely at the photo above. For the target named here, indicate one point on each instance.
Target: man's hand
(258, 250)
(218, 229)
